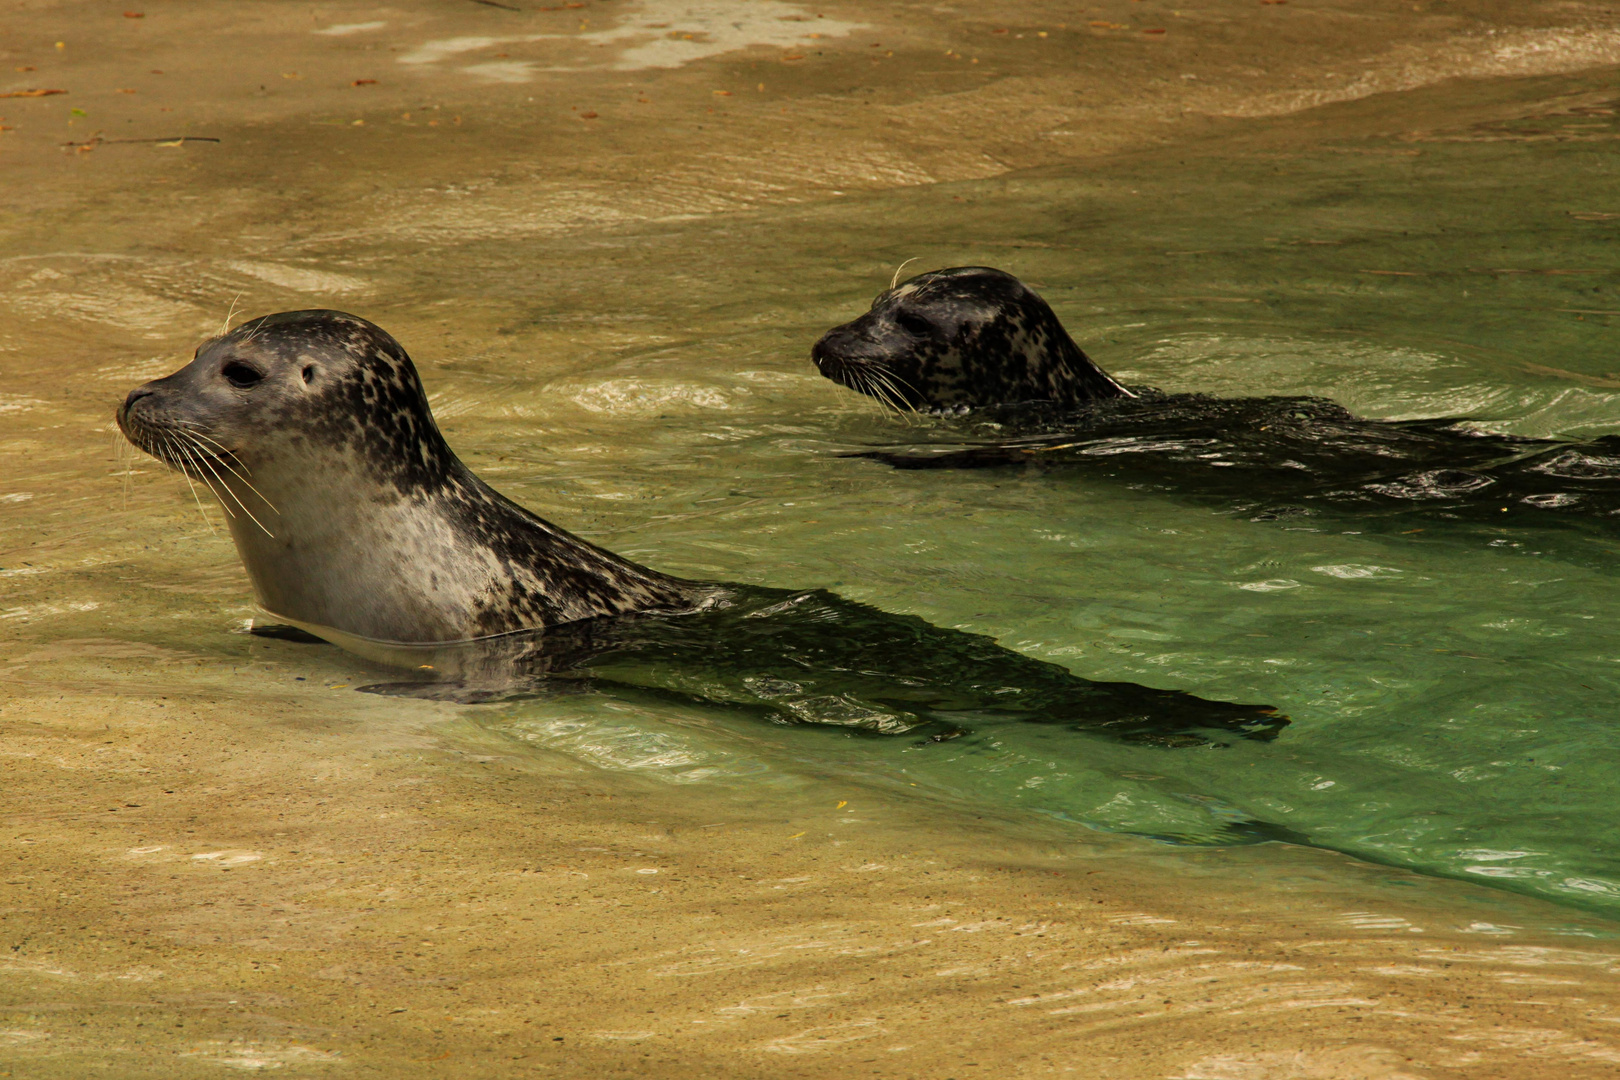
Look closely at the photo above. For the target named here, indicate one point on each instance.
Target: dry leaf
(32, 93)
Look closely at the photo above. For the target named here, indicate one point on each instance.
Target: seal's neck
(343, 548)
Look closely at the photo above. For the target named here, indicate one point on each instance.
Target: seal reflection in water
(358, 524)
(979, 344)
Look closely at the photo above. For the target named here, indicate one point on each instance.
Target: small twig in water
(167, 140)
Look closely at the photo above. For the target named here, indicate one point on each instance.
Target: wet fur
(962, 338)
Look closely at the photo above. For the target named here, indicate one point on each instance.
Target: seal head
(347, 506)
(966, 337)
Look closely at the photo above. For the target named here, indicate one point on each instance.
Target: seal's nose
(833, 350)
(134, 396)
(818, 353)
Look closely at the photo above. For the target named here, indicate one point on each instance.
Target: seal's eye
(309, 374)
(240, 375)
(914, 324)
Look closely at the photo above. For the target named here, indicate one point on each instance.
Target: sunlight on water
(1450, 689)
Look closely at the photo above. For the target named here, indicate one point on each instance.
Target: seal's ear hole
(309, 374)
(912, 323)
(240, 375)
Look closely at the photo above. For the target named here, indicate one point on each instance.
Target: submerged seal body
(977, 343)
(357, 523)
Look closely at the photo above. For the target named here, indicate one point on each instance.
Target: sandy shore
(220, 857)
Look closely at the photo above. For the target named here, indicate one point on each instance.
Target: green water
(1451, 691)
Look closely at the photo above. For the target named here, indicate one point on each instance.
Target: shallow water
(1449, 688)
(648, 386)
(628, 355)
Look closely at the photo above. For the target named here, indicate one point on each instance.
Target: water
(647, 385)
(1449, 690)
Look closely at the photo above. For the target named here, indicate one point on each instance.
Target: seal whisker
(898, 401)
(883, 392)
(225, 328)
(198, 457)
(896, 279)
(255, 332)
(225, 456)
(196, 466)
(203, 459)
(892, 397)
(867, 387)
(896, 384)
(126, 462)
(903, 384)
(166, 457)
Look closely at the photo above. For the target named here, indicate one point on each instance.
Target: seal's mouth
(868, 375)
(195, 453)
(181, 445)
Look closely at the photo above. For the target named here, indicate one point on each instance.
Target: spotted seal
(978, 344)
(357, 523)
(349, 509)
(966, 337)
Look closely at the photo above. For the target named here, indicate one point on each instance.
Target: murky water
(647, 385)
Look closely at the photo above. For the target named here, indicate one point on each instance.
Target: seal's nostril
(134, 396)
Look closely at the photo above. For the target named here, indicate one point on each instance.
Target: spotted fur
(966, 337)
(350, 510)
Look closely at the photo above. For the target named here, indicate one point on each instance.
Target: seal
(976, 343)
(348, 508)
(358, 524)
(962, 338)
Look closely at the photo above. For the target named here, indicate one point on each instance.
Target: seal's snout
(821, 355)
(134, 396)
(839, 349)
(126, 410)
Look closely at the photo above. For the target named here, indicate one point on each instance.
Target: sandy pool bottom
(348, 886)
(203, 872)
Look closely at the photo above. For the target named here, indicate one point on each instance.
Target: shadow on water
(816, 658)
